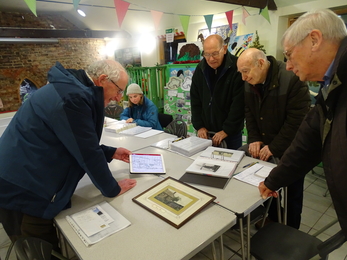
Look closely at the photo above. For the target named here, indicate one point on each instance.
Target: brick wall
(32, 61)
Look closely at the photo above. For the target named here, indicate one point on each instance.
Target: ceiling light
(81, 13)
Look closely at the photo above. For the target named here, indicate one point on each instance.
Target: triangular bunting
(32, 6)
(229, 16)
(208, 20)
(76, 3)
(265, 13)
(185, 22)
(121, 9)
(156, 17)
(245, 14)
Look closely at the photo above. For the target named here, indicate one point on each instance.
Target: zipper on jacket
(52, 200)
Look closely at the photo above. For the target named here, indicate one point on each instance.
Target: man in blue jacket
(52, 141)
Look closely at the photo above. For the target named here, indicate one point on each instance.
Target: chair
(177, 127)
(32, 248)
(164, 119)
(277, 241)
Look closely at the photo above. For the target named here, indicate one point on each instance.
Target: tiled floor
(317, 212)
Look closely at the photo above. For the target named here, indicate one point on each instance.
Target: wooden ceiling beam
(251, 3)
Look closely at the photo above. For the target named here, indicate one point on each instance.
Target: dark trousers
(234, 141)
(17, 224)
(294, 204)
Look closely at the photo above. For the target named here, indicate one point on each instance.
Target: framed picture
(173, 201)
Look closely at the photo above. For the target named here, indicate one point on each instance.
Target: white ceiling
(101, 14)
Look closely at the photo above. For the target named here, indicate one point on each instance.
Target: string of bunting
(122, 8)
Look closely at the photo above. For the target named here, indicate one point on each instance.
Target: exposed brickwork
(32, 61)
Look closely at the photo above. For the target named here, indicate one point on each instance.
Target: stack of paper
(97, 222)
(191, 145)
(118, 126)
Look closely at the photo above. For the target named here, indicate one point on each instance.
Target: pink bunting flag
(245, 14)
(156, 17)
(121, 9)
(229, 16)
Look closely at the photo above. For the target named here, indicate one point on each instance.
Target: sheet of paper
(149, 133)
(92, 220)
(250, 174)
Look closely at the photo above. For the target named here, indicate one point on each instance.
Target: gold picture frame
(173, 201)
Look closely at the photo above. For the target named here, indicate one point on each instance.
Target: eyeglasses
(120, 91)
(287, 54)
(213, 54)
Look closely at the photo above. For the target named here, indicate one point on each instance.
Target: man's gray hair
(332, 27)
(111, 68)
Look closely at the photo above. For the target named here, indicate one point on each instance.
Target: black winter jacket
(223, 107)
(275, 117)
(322, 137)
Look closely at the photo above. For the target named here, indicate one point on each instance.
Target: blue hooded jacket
(143, 115)
(51, 142)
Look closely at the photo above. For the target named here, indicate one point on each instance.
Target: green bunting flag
(32, 6)
(265, 13)
(185, 22)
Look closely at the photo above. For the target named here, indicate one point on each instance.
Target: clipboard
(147, 164)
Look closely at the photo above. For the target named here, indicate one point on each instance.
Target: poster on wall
(177, 94)
(189, 51)
(240, 43)
(223, 30)
(128, 57)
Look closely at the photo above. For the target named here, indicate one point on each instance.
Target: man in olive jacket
(217, 95)
(276, 102)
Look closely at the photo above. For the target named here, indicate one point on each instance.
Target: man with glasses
(316, 50)
(52, 141)
(217, 95)
(276, 102)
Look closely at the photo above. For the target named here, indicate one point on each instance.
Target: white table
(148, 237)
(238, 197)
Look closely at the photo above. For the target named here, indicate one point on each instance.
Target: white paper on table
(252, 175)
(149, 133)
(92, 220)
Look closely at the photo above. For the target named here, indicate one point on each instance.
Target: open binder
(214, 167)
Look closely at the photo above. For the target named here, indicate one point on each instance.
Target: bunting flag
(32, 6)
(229, 16)
(156, 17)
(208, 20)
(76, 3)
(265, 13)
(121, 9)
(185, 22)
(245, 14)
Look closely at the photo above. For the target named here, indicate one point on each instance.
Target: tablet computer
(147, 164)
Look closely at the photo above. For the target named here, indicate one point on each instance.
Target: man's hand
(122, 154)
(265, 192)
(129, 120)
(265, 153)
(218, 138)
(202, 133)
(254, 149)
(126, 185)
